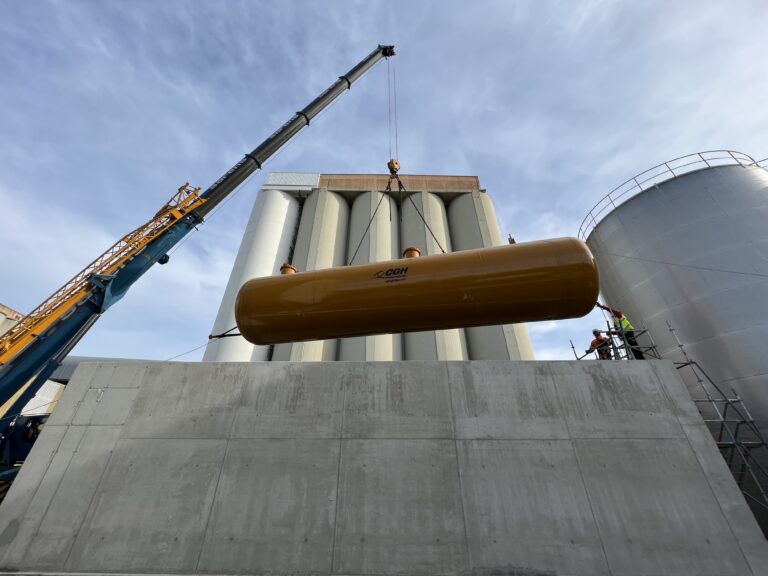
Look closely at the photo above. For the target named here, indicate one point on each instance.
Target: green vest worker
(623, 324)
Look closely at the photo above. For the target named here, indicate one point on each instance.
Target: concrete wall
(526, 468)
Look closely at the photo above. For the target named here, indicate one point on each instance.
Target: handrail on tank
(661, 173)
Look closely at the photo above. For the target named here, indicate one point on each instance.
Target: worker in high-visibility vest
(624, 326)
(601, 345)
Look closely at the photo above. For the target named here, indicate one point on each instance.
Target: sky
(107, 107)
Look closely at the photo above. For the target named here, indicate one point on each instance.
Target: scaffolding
(634, 345)
(726, 416)
(729, 421)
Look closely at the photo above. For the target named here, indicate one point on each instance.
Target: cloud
(106, 110)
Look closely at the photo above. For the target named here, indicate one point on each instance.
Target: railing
(661, 173)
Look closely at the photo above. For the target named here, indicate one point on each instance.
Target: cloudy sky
(107, 107)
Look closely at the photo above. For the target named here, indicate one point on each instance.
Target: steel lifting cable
(394, 82)
(225, 334)
(426, 225)
(389, 108)
(392, 109)
(392, 106)
(370, 222)
(393, 174)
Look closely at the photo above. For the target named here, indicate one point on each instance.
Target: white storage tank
(375, 243)
(321, 242)
(417, 209)
(266, 245)
(474, 225)
(692, 249)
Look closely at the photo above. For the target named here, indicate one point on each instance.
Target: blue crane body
(69, 316)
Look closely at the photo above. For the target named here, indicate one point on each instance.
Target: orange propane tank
(544, 280)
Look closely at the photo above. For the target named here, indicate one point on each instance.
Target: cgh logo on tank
(392, 274)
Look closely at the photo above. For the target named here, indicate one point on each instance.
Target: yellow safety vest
(623, 323)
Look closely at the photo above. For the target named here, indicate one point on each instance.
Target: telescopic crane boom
(34, 348)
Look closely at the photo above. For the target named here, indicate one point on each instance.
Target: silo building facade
(686, 242)
(315, 221)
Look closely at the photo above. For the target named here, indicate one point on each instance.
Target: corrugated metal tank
(662, 254)
(266, 245)
(438, 344)
(473, 223)
(321, 242)
(379, 243)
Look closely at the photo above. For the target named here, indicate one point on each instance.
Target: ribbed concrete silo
(429, 235)
(321, 242)
(473, 223)
(375, 243)
(266, 245)
(692, 249)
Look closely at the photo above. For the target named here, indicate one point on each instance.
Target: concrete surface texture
(482, 467)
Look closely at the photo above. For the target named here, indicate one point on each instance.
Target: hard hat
(596, 331)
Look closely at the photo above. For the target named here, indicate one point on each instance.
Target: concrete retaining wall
(488, 467)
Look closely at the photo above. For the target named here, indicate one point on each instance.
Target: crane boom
(34, 348)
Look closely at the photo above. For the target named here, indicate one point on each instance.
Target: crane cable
(394, 82)
(392, 106)
(393, 165)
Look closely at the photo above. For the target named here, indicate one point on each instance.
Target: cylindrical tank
(378, 242)
(265, 246)
(321, 242)
(545, 280)
(425, 226)
(474, 225)
(693, 250)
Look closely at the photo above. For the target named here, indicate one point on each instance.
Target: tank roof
(663, 172)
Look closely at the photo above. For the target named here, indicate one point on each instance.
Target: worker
(624, 326)
(601, 344)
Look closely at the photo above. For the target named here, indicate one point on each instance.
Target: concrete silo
(473, 223)
(266, 245)
(687, 242)
(321, 242)
(373, 237)
(316, 221)
(425, 226)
